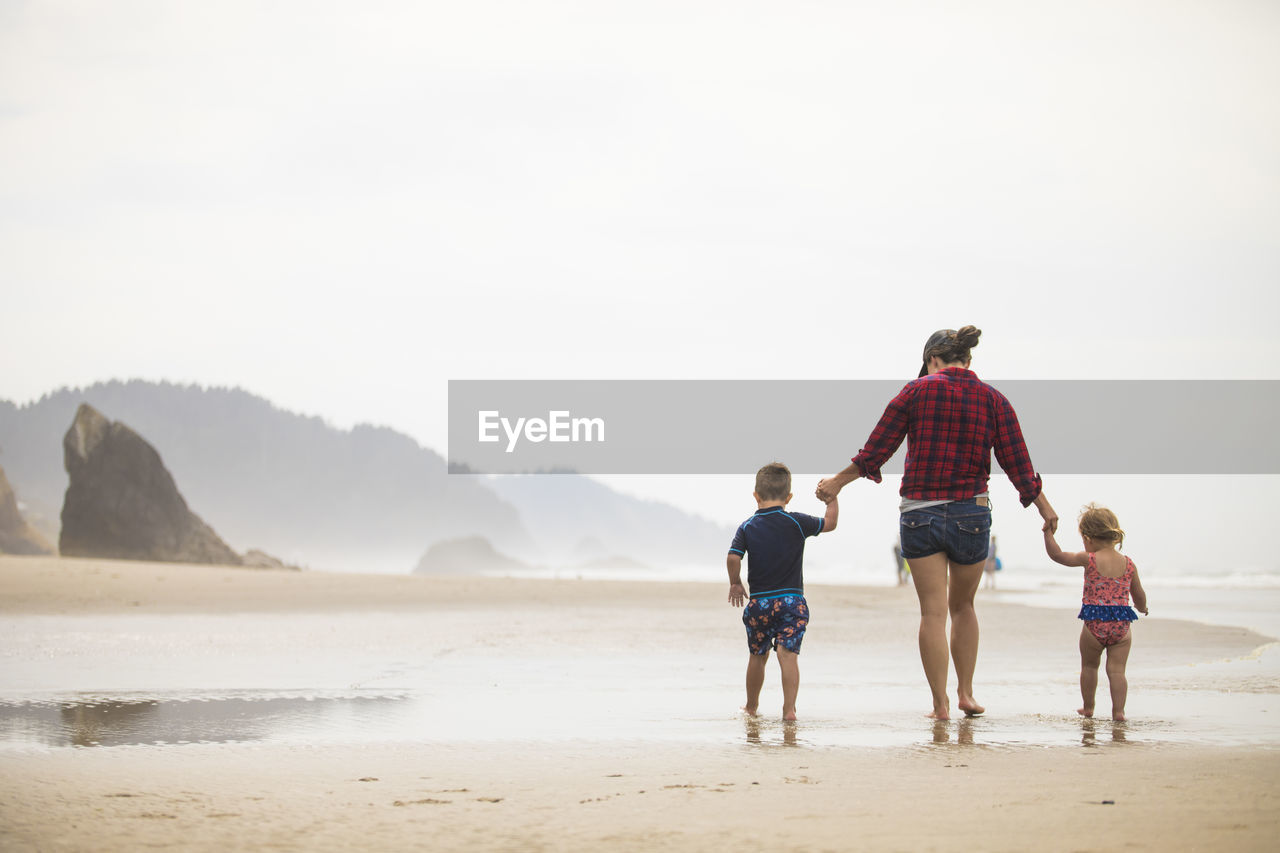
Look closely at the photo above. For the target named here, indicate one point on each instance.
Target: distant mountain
(17, 536)
(573, 518)
(364, 499)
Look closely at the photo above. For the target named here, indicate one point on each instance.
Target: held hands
(827, 490)
(1046, 512)
(737, 594)
(1050, 522)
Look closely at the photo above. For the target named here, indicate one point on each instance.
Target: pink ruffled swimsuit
(1105, 609)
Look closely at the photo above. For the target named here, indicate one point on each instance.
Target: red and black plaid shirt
(951, 421)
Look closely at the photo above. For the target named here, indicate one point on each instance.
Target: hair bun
(968, 336)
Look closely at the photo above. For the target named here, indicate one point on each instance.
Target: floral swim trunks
(776, 622)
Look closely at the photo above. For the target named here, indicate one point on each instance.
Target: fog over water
(341, 209)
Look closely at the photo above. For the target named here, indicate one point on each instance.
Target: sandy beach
(187, 707)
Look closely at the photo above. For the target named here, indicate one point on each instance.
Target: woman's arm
(886, 438)
(1013, 456)
(1046, 512)
(830, 487)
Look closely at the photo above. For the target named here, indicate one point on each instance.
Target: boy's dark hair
(773, 482)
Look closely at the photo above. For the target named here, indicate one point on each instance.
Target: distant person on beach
(991, 566)
(900, 564)
(776, 613)
(951, 421)
(1109, 579)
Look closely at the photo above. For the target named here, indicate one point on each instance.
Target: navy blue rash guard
(773, 541)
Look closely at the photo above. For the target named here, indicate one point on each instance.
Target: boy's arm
(1079, 559)
(1138, 593)
(833, 515)
(737, 592)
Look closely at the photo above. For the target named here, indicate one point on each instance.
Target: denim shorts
(961, 529)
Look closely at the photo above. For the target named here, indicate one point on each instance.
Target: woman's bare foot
(749, 710)
(1085, 712)
(789, 716)
(940, 713)
(970, 707)
(1118, 716)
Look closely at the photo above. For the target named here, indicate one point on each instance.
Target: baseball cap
(937, 339)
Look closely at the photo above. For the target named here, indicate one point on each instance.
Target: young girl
(1109, 579)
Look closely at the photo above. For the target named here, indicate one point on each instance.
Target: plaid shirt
(951, 420)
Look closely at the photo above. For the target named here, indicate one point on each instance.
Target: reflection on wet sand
(789, 731)
(92, 725)
(963, 729)
(1089, 731)
(218, 720)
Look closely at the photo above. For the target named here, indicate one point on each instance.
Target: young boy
(777, 614)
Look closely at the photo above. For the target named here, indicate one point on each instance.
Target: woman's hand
(827, 490)
(829, 487)
(1046, 512)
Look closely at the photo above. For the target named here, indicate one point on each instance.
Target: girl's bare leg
(930, 577)
(1090, 658)
(963, 587)
(789, 663)
(1117, 657)
(755, 681)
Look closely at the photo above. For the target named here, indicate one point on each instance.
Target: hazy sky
(341, 206)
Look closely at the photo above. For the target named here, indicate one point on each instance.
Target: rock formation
(16, 535)
(122, 502)
(466, 555)
(255, 558)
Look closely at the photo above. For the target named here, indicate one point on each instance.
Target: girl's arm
(1078, 559)
(1138, 593)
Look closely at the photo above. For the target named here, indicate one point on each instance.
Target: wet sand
(193, 707)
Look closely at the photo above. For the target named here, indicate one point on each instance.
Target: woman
(951, 421)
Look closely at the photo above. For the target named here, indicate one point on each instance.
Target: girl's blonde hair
(1100, 523)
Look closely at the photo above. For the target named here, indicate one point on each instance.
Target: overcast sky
(341, 206)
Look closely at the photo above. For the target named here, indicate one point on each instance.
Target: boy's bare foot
(1118, 716)
(1085, 712)
(971, 708)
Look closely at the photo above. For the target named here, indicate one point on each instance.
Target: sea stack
(16, 535)
(122, 503)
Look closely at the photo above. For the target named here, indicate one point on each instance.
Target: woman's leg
(930, 577)
(963, 586)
